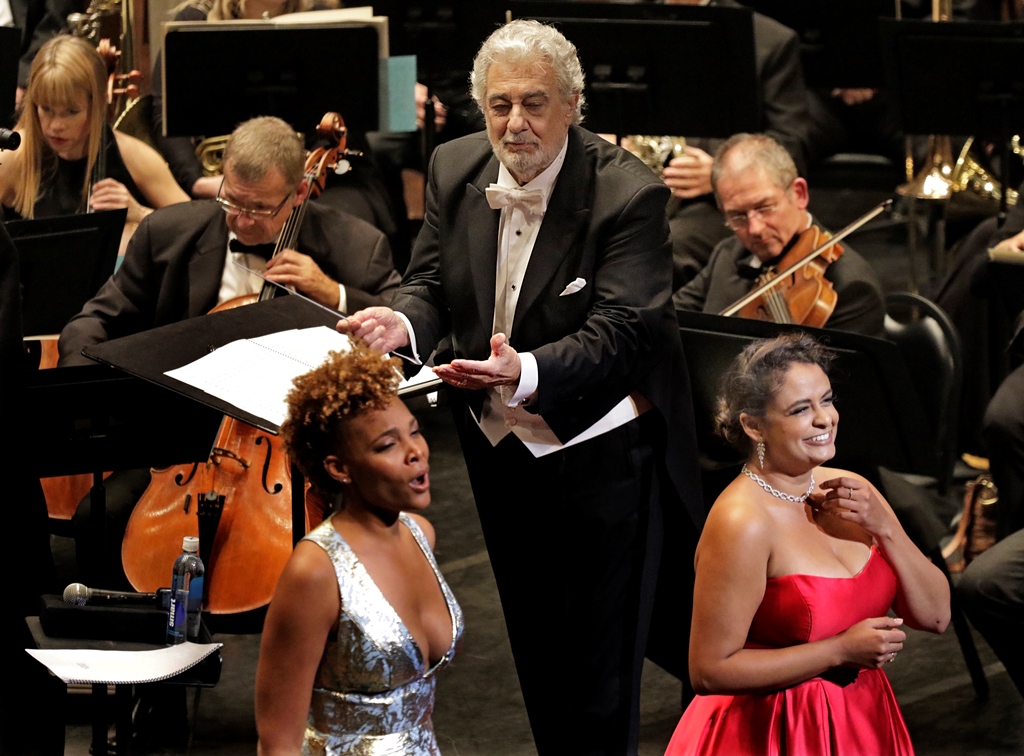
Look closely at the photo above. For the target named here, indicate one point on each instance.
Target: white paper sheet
(115, 667)
(256, 375)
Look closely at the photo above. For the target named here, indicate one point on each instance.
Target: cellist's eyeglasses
(232, 209)
(740, 220)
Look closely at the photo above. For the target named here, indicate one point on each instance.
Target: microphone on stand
(77, 594)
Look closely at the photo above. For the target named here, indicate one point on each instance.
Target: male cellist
(180, 265)
(764, 202)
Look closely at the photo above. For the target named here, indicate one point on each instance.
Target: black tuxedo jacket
(174, 262)
(39, 21)
(605, 223)
(785, 106)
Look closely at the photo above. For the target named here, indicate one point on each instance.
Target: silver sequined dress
(373, 694)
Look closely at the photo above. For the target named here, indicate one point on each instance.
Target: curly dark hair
(324, 399)
(756, 375)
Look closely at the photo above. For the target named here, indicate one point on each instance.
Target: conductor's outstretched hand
(379, 327)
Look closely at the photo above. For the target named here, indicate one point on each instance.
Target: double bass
(239, 501)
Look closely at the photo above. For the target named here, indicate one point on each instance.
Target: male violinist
(765, 204)
(180, 264)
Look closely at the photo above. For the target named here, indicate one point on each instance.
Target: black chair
(930, 348)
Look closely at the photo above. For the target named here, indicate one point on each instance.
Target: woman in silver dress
(362, 618)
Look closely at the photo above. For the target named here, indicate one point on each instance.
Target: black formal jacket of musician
(728, 276)
(174, 263)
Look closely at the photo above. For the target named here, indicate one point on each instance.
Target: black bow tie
(266, 251)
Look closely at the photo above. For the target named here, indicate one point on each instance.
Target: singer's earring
(760, 455)
(345, 481)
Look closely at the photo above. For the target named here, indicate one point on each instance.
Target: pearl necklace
(776, 493)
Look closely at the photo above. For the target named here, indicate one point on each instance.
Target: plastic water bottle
(186, 594)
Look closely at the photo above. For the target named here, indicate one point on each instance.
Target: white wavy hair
(527, 41)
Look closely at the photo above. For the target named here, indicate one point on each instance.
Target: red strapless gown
(844, 712)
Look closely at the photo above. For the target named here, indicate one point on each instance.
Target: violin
(804, 296)
(239, 501)
(796, 290)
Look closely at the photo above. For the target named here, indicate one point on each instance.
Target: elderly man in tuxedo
(544, 270)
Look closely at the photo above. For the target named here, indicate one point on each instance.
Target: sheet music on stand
(156, 354)
(256, 374)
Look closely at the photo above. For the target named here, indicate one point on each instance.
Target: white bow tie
(530, 201)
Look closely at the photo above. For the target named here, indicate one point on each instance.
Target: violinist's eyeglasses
(235, 210)
(740, 220)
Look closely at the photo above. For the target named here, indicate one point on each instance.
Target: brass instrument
(655, 151)
(970, 176)
(210, 152)
(935, 181)
(101, 20)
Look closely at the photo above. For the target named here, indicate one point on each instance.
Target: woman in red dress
(797, 569)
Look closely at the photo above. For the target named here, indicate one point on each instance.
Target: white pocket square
(572, 288)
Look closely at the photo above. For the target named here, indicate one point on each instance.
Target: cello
(796, 290)
(239, 501)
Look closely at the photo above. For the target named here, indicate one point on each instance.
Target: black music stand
(91, 419)
(218, 75)
(150, 354)
(661, 69)
(64, 262)
(882, 417)
(958, 78)
(840, 41)
(444, 35)
(10, 50)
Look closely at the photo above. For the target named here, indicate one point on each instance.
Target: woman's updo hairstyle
(756, 375)
(326, 398)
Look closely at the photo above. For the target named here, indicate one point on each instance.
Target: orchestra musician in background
(63, 127)
(765, 204)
